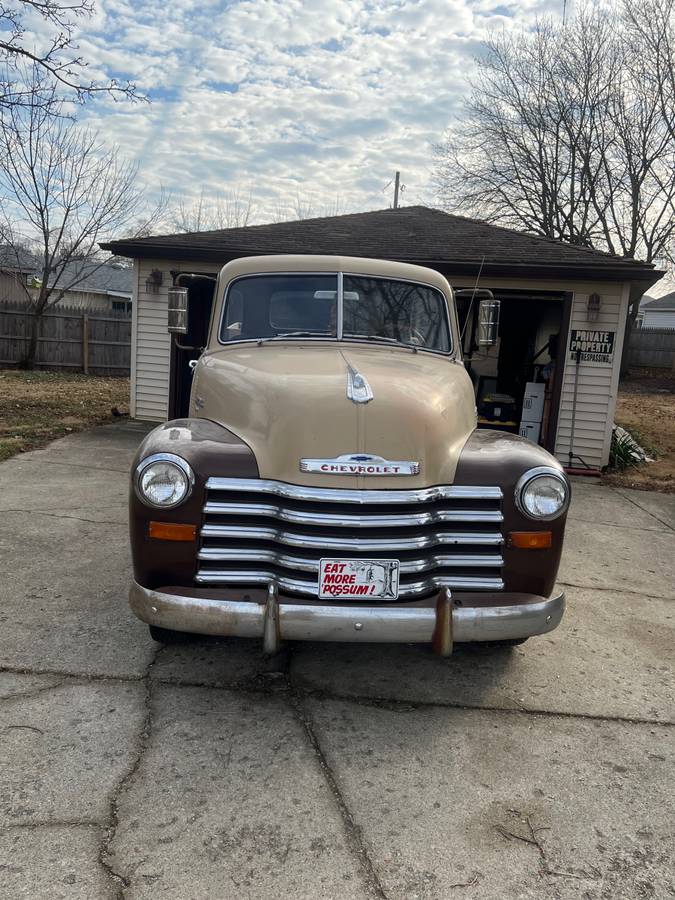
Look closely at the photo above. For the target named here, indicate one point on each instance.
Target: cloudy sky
(310, 101)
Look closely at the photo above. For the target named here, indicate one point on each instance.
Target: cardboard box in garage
(530, 430)
(533, 402)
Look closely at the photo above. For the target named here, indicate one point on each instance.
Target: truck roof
(353, 265)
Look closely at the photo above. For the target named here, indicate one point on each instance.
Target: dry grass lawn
(37, 407)
(646, 407)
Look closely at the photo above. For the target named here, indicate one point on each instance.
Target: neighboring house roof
(413, 234)
(109, 278)
(17, 259)
(660, 304)
(92, 277)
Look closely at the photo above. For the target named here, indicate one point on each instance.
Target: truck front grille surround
(255, 531)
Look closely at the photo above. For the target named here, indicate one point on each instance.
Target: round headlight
(542, 494)
(164, 480)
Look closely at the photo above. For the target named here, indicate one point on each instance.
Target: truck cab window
(269, 306)
(400, 311)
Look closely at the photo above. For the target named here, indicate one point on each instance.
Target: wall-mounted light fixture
(153, 281)
(593, 305)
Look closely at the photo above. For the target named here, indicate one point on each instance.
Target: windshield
(381, 310)
(399, 311)
(270, 306)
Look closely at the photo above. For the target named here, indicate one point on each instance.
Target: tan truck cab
(330, 483)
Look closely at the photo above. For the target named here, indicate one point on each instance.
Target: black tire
(166, 636)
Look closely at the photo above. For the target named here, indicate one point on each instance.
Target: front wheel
(166, 636)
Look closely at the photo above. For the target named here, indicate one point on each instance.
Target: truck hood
(288, 401)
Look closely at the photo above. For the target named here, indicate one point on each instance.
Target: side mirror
(488, 322)
(177, 322)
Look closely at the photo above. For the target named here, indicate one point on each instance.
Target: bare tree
(651, 28)
(234, 208)
(305, 206)
(57, 57)
(61, 192)
(566, 135)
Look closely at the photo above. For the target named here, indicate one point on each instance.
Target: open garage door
(518, 382)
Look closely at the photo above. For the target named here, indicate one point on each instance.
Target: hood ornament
(360, 464)
(358, 389)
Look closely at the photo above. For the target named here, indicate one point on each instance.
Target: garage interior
(517, 382)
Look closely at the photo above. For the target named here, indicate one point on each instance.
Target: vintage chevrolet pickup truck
(329, 483)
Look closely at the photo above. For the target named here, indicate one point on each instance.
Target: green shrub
(622, 453)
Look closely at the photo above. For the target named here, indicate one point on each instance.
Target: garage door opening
(518, 382)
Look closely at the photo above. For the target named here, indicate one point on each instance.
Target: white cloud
(290, 97)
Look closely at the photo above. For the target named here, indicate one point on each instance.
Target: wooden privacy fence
(94, 342)
(652, 347)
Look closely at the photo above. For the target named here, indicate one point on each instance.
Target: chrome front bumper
(274, 619)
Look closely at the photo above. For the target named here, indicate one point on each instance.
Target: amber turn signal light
(171, 531)
(530, 540)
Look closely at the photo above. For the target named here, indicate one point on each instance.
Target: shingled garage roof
(412, 234)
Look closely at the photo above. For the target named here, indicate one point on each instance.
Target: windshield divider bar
(340, 308)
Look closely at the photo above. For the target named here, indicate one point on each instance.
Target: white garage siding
(597, 383)
(658, 318)
(151, 353)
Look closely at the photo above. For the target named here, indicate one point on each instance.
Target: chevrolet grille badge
(360, 464)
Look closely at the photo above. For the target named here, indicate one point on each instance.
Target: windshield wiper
(377, 338)
(285, 334)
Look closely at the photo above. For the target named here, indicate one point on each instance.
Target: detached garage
(553, 375)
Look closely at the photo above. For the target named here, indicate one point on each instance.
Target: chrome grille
(255, 530)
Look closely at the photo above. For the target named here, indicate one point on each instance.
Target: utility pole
(397, 183)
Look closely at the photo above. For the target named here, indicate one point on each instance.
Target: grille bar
(354, 545)
(306, 564)
(347, 520)
(309, 588)
(337, 495)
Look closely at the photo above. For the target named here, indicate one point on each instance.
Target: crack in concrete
(353, 832)
(264, 685)
(404, 706)
(613, 525)
(53, 823)
(70, 465)
(62, 508)
(73, 676)
(644, 509)
(27, 695)
(117, 879)
(40, 512)
(611, 590)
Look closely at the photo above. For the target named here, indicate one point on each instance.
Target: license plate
(354, 579)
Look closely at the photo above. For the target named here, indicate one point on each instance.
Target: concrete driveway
(546, 771)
